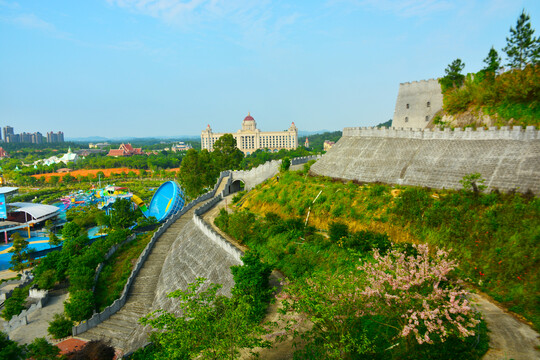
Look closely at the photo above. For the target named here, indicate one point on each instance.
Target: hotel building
(249, 138)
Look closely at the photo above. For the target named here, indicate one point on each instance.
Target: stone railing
(493, 133)
(98, 318)
(304, 159)
(211, 234)
(22, 318)
(25, 279)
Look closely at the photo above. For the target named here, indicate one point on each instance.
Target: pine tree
(454, 77)
(522, 47)
(492, 61)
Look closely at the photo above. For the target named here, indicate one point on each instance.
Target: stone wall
(417, 102)
(98, 318)
(255, 176)
(507, 158)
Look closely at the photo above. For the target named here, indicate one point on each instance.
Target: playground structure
(167, 200)
(17, 216)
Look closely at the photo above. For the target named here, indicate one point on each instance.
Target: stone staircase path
(120, 328)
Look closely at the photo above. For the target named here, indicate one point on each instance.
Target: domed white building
(249, 138)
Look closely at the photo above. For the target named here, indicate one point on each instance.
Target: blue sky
(170, 67)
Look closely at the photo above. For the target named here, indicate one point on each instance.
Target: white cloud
(9, 5)
(259, 22)
(31, 21)
(405, 8)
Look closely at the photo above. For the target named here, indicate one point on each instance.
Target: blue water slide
(167, 200)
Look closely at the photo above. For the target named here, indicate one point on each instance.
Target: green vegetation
(39, 349)
(510, 97)
(20, 252)
(116, 271)
(326, 284)
(494, 236)
(316, 141)
(213, 326)
(60, 326)
(15, 304)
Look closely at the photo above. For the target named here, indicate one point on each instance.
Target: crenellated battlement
(493, 133)
(418, 82)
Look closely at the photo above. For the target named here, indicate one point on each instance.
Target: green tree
(60, 326)
(80, 305)
(492, 61)
(454, 77)
(122, 215)
(251, 280)
(41, 349)
(9, 349)
(20, 252)
(49, 225)
(210, 327)
(53, 239)
(226, 154)
(71, 231)
(53, 180)
(522, 47)
(285, 164)
(197, 172)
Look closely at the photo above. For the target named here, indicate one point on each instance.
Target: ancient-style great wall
(509, 159)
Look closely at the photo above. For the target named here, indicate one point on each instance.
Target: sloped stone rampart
(507, 158)
(194, 254)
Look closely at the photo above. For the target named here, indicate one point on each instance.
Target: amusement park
(29, 219)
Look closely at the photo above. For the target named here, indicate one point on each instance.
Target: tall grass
(494, 236)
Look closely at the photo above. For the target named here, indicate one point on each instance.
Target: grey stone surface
(507, 158)
(193, 255)
(253, 177)
(417, 101)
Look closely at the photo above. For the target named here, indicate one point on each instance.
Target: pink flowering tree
(411, 296)
(416, 292)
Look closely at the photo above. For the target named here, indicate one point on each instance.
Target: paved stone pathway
(38, 321)
(508, 337)
(121, 328)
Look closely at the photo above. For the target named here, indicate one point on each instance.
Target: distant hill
(134, 139)
(316, 141)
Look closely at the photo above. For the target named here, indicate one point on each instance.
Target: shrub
(60, 326)
(251, 280)
(337, 231)
(41, 349)
(47, 279)
(285, 164)
(365, 241)
(9, 349)
(222, 220)
(15, 304)
(80, 305)
(238, 196)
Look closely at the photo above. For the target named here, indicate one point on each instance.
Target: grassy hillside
(511, 98)
(494, 236)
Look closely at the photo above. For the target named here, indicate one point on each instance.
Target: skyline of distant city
(9, 136)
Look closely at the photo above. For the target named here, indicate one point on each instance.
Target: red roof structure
(249, 118)
(3, 153)
(125, 150)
